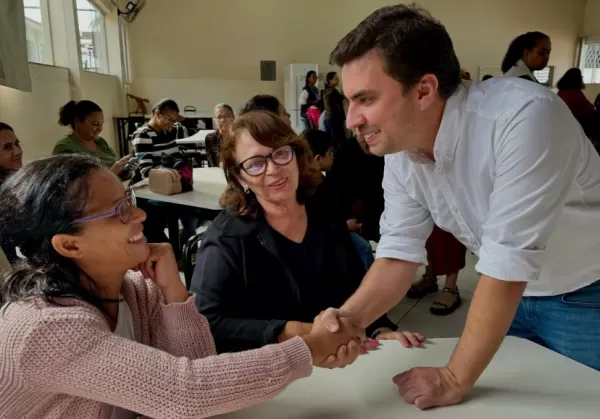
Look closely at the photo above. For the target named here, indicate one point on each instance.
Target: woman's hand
(161, 267)
(118, 167)
(407, 339)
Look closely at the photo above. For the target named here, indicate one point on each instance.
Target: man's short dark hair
(265, 103)
(320, 142)
(164, 105)
(412, 43)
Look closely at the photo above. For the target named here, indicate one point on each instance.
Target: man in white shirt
(504, 167)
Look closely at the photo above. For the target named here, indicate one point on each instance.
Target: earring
(247, 191)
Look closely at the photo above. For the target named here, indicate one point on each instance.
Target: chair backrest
(597, 102)
(189, 257)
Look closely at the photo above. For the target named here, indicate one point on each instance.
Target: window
(92, 37)
(545, 76)
(37, 27)
(589, 62)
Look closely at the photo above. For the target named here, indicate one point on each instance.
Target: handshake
(336, 339)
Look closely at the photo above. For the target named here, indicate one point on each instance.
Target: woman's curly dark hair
(269, 130)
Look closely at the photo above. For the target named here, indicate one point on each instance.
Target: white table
(209, 185)
(197, 138)
(524, 381)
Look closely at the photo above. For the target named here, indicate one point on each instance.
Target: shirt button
(454, 209)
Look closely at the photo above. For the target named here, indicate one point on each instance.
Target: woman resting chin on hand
(84, 337)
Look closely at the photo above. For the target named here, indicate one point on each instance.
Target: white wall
(34, 116)
(209, 51)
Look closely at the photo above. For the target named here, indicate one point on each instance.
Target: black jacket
(213, 143)
(248, 293)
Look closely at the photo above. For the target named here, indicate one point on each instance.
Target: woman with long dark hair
(81, 336)
(335, 116)
(527, 53)
(309, 101)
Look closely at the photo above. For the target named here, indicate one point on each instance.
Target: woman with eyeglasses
(222, 117)
(82, 336)
(11, 160)
(272, 260)
(86, 119)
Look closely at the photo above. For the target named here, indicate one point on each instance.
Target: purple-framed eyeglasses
(123, 210)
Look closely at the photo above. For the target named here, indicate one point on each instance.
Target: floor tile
(397, 313)
(419, 319)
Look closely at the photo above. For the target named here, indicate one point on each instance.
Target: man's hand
(430, 387)
(322, 343)
(346, 354)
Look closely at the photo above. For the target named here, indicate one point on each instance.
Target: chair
(189, 257)
(597, 102)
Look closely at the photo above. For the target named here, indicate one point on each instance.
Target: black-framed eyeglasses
(169, 119)
(123, 210)
(257, 165)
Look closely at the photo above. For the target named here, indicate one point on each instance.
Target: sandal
(443, 304)
(422, 287)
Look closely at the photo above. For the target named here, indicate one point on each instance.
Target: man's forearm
(385, 284)
(492, 310)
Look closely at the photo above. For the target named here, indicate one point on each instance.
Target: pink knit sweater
(64, 362)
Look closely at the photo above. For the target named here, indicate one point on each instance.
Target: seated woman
(81, 337)
(269, 263)
(85, 118)
(11, 160)
(11, 153)
(223, 117)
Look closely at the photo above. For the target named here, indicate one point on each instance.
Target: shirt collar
(447, 137)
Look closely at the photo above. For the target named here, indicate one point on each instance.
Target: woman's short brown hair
(268, 130)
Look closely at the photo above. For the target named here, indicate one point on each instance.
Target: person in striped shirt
(157, 136)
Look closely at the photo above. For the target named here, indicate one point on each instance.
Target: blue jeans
(365, 251)
(568, 324)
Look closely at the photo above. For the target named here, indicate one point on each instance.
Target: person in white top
(504, 167)
(527, 53)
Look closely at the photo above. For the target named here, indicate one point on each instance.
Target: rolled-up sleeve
(536, 152)
(405, 224)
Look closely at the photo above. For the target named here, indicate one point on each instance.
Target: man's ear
(67, 246)
(427, 89)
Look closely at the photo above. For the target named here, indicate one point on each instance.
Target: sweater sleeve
(76, 354)
(175, 328)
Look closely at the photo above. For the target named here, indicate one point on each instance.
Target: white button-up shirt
(515, 180)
